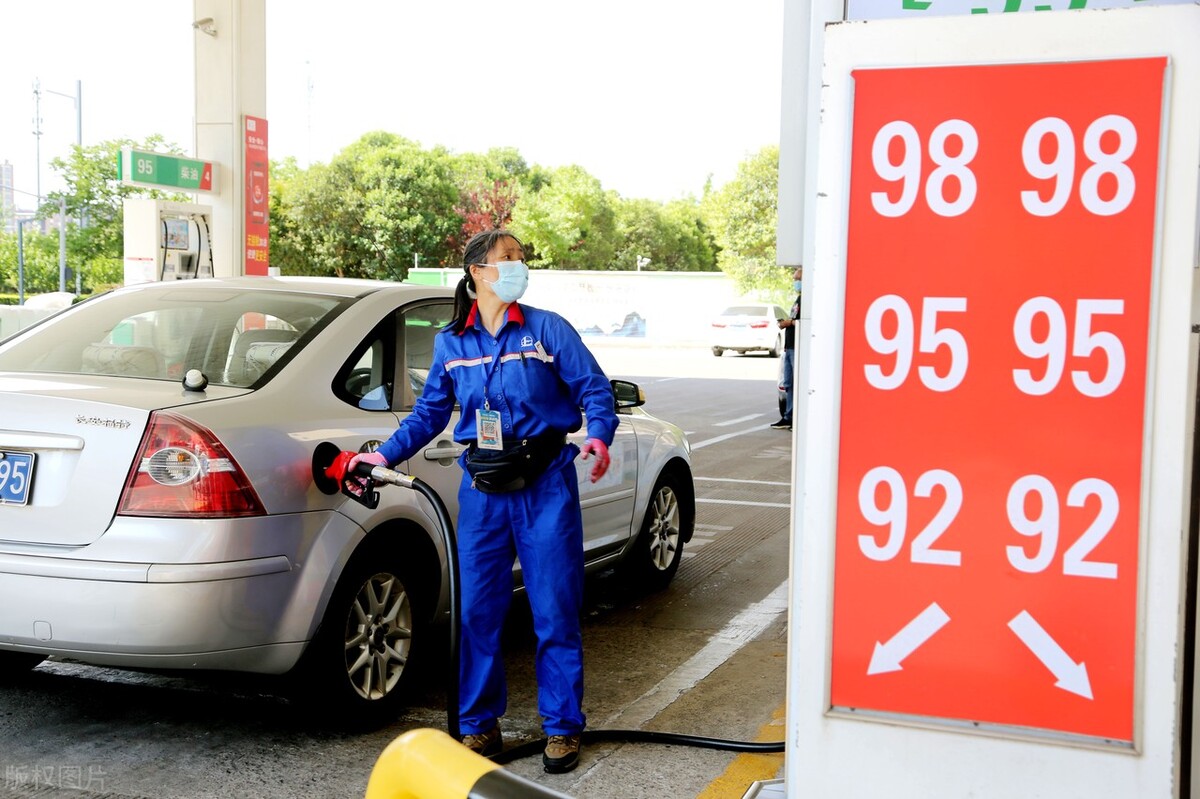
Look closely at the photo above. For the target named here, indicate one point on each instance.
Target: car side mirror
(627, 394)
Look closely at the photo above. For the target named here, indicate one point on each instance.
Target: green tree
(742, 215)
(8, 263)
(503, 164)
(41, 262)
(570, 223)
(285, 234)
(377, 203)
(92, 193)
(673, 236)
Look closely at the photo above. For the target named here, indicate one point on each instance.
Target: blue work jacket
(536, 372)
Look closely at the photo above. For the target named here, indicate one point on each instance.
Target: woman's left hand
(594, 446)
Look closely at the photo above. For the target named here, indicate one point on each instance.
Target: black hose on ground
(535, 747)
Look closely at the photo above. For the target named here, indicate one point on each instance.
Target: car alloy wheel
(655, 556)
(664, 528)
(356, 670)
(378, 636)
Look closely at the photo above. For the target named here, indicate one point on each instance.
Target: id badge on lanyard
(488, 434)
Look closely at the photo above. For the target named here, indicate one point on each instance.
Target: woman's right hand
(373, 458)
(356, 483)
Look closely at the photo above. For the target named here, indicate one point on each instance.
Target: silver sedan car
(158, 507)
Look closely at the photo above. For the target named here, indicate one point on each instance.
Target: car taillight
(183, 470)
(758, 325)
(718, 324)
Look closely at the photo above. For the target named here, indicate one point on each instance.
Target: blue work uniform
(537, 373)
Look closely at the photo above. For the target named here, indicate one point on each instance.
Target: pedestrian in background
(521, 376)
(787, 378)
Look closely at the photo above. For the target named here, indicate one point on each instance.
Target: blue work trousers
(541, 525)
(787, 380)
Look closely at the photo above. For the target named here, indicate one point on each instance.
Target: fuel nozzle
(331, 475)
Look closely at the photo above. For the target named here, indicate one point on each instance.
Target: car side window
(367, 377)
(418, 325)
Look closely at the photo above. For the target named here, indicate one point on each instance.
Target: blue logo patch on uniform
(527, 341)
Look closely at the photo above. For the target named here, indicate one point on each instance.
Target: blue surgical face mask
(513, 280)
(796, 285)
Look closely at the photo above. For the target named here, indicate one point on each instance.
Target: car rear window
(233, 337)
(745, 310)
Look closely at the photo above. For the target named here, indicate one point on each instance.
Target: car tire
(718, 351)
(359, 665)
(654, 558)
(774, 351)
(15, 665)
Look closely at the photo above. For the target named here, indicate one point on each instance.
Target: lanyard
(489, 369)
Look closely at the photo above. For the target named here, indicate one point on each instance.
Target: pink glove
(373, 458)
(594, 446)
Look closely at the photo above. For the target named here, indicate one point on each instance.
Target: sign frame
(827, 747)
(166, 171)
(1039, 630)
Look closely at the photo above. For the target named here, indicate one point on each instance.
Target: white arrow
(1071, 676)
(887, 656)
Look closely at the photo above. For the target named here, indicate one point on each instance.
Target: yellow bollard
(429, 764)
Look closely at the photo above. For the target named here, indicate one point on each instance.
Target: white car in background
(748, 327)
(149, 523)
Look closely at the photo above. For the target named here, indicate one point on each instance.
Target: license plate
(16, 477)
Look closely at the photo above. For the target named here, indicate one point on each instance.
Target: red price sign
(999, 263)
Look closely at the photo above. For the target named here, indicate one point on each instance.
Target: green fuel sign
(156, 170)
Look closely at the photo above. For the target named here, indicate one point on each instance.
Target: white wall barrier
(655, 307)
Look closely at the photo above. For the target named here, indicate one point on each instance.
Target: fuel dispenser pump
(166, 240)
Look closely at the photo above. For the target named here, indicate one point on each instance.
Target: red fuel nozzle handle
(358, 489)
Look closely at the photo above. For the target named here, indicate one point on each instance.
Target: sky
(652, 97)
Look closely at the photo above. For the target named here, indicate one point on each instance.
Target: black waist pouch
(498, 471)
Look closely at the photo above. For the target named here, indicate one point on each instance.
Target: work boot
(485, 743)
(562, 753)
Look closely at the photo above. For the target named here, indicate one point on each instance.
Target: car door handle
(443, 453)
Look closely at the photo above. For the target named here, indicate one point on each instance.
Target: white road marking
(741, 630)
(743, 502)
(738, 420)
(734, 480)
(727, 436)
